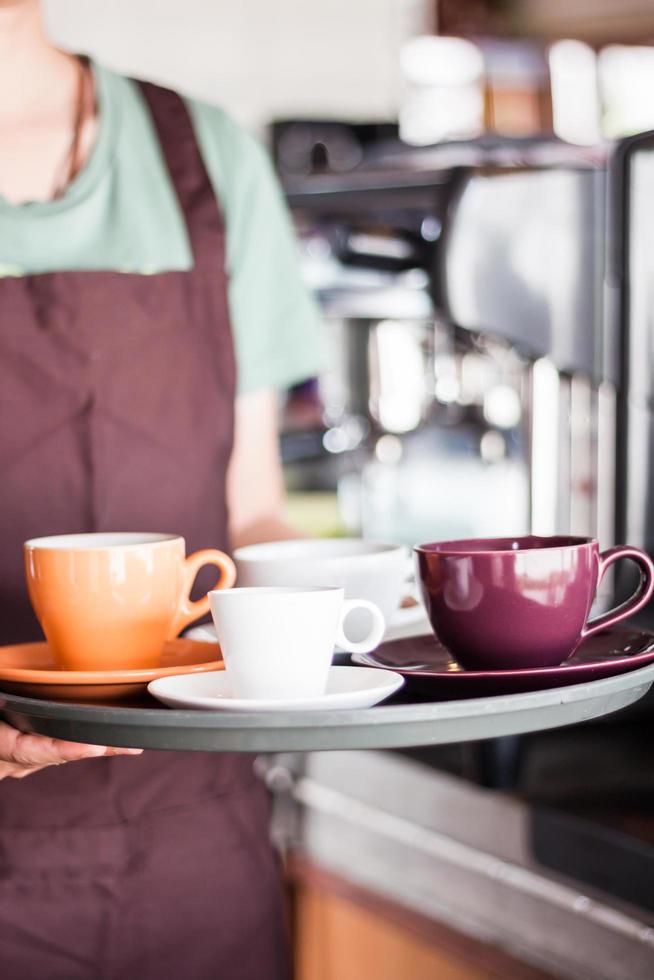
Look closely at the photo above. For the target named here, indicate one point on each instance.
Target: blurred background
(352, 58)
(447, 162)
(473, 187)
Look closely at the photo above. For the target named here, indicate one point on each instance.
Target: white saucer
(347, 687)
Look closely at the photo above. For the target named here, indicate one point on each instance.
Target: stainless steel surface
(520, 261)
(462, 855)
(631, 274)
(606, 464)
(548, 491)
(386, 726)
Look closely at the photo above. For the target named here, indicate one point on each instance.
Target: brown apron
(116, 413)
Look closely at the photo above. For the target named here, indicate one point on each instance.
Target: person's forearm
(268, 528)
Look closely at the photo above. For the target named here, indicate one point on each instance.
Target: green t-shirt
(121, 213)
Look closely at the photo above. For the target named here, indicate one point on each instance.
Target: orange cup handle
(189, 611)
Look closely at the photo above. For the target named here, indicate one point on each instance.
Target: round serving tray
(397, 724)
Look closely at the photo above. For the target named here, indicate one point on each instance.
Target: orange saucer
(29, 669)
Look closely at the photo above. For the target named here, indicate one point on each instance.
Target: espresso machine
(473, 379)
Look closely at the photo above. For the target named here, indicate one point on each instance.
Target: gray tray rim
(384, 726)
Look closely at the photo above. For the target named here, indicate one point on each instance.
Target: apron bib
(116, 414)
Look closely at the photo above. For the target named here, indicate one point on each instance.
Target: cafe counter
(403, 866)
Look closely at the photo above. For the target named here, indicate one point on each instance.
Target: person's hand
(21, 754)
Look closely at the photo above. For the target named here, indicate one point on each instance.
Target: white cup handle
(377, 628)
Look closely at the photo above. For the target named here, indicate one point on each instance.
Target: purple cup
(505, 603)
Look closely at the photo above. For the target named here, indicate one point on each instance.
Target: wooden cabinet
(342, 932)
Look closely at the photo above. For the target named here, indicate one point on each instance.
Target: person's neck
(33, 73)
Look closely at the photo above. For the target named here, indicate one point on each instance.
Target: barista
(150, 307)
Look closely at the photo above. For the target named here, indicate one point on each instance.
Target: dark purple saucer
(426, 663)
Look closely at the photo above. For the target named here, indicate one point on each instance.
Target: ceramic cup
(278, 642)
(504, 603)
(110, 601)
(364, 569)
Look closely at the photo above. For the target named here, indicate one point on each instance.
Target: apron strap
(187, 170)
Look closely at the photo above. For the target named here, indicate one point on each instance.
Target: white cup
(278, 642)
(364, 569)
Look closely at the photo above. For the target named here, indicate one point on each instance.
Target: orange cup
(110, 601)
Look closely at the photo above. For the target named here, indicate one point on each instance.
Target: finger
(29, 750)
(39, 750)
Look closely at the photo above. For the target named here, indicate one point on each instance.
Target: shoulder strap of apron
(187, 170)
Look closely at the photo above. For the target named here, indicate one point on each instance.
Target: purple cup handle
(640, 597)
